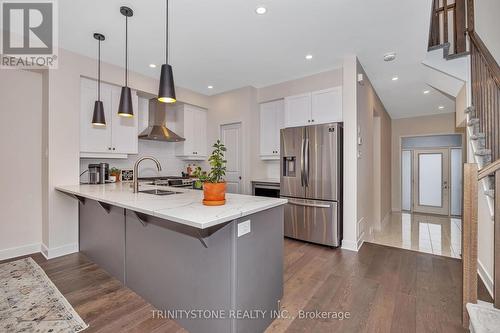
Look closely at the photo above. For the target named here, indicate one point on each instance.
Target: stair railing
(483, 120)
(448, 26)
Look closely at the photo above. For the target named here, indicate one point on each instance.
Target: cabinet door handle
(114, 148)
(309, 120)
(312, 120)
(109, 148)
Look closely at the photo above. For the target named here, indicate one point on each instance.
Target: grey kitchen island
(211, 269)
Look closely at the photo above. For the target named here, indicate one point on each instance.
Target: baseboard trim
(19, 251)
(50, 253)
(349, 245)
(487, 279)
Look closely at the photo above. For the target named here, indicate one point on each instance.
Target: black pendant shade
(98, 118)
(166, 93)
(125, 108)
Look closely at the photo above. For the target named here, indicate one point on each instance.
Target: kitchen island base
(208, 280)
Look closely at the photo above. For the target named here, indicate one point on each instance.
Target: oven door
(313, 221)
(266, 190)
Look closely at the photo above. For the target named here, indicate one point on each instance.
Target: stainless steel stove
(173, 181)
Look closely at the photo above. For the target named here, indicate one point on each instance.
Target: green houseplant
(214, 185)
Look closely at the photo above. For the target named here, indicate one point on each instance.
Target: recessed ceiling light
(261, 10)
(390, 56)
(440, 107)
(395, 78)
(309, 56)
(426, 91)
(210, 87)
(152, 65)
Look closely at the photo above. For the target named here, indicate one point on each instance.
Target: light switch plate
(243, 228)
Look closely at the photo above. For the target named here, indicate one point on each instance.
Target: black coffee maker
(98, 173)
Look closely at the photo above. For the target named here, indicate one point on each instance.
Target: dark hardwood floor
(384, 289)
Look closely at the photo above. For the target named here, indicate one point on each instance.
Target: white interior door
(431, 187)
(231, 137)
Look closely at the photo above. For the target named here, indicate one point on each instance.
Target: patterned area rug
(30, 302)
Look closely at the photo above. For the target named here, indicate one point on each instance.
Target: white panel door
(326, 106)
(231, 137)
(431, 190)
(94, 139)
(124, 130)
(298, 110)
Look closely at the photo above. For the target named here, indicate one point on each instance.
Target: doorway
(231, 137)
(431, 174)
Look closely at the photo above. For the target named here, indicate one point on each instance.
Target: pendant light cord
(166, 34)
(126, 51)
(99, 72)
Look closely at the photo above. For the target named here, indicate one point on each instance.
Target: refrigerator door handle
(308, 204)
(302, 177)
(306, 162)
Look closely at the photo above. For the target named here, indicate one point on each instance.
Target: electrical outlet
(243, 228)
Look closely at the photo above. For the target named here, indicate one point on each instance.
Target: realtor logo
(29, 34)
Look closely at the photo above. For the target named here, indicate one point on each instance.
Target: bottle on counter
(189, 170)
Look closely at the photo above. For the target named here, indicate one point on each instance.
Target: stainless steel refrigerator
(311, 180)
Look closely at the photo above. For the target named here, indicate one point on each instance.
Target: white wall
(21, 165)
(236, 106)
(349, 111)
(487, 25)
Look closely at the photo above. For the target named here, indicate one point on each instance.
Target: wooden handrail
(488, 58)
(490, 169)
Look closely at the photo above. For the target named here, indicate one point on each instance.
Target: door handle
(306, 163)
(302, 163)
(308, 204)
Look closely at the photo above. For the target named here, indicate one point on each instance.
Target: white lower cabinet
(119, 137)
(191, 125)
(271, 122)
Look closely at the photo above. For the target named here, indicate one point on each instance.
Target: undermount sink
(159, 192)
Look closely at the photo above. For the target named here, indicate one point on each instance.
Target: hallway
(439, 235)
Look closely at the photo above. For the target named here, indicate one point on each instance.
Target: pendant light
(166, 92)
(98, 118)
(125, 108)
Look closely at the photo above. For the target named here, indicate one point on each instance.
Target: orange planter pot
(214, 194)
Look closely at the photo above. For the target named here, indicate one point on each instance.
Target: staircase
(447, 60)
(452, 35)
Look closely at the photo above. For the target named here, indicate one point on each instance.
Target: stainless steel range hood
(157, 129)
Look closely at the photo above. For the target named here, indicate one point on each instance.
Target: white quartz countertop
(185, 208)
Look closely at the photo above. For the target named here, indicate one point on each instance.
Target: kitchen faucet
(136, 170)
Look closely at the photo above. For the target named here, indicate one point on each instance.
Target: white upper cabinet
(297, 110)
(271, 122)
(326, 106)
(192, 126)
(318, 107)
(119, 137)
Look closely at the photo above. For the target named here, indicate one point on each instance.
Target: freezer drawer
(313, 221)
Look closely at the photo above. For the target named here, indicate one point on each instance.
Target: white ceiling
(224, 43)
